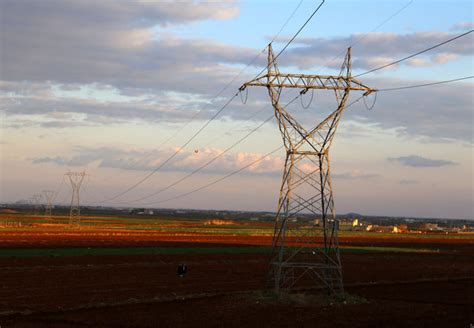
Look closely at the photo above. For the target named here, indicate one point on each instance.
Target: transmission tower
(48, 196)
(76, 179)
(36, 201)
(306, 251)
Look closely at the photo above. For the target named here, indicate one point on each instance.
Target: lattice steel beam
(307, 251)
(49, 196)
(75, 178)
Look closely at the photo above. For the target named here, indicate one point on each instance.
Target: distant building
(378, 228)
(355, 223)
(142, 211)
(429, 227)
(401, 228)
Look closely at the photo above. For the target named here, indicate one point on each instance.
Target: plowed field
(431, 284)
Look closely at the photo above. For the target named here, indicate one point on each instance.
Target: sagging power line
(212, 118)
(416, 54)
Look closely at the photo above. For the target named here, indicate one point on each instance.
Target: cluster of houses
(414, 227)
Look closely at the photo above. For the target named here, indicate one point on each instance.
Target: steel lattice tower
(307, 251)
(36, 200)
(76, 179)
(49, 196)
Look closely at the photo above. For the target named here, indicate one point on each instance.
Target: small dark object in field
(182, 269)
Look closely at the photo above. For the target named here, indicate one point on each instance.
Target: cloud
(418, 161)
(441, 113)
(119, 44)
(463, 26)
(354, 175)
(52, 48)
(443, 58)
(424, 62)
(437, 113)
(374, 49)
(95, 111)
(115, 44)
(185, 161)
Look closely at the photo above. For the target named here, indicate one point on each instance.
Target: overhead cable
(425, 84)
(416, 54)
(214, 116)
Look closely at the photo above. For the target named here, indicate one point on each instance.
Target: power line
(224, 88)
(426, 84)
(252, 131)
(416, 54)
(234, 172)
(204, 165)
(287, 21)
(374, 29)
(291, 40)
(176, 152)
(385, 21)
(220, 179)
(213, 117)
(211, 160)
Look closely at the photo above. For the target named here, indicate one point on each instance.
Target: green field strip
(97, 251)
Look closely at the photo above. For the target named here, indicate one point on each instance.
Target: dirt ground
(428, 289)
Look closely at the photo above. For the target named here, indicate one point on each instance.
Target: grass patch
(81, 251)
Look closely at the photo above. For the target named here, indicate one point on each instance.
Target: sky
(114, 88)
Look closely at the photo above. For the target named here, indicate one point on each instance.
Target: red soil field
(403, 289)
(125, 238)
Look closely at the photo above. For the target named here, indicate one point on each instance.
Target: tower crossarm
(305, 81)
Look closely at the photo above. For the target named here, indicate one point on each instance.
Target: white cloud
(444, 57)
(417, 62)
(463, 26)
(185, 161)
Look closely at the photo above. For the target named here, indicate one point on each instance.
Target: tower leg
(305, 243)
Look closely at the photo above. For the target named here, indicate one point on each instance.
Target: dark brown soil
(403, 289)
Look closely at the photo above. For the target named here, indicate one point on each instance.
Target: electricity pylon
(307, 251)
(76, 179)
(36, 200)
(48, 196)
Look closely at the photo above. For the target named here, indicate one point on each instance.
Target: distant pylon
(307, 251)
(48, 196)
(36, 200)
(76, 179)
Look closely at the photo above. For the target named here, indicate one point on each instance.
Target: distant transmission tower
(307, 251)
(48, 196)
(76, 179)
(36, 200)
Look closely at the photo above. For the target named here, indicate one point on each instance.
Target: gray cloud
(419, 161)
(442, 112)
(374, 49)
(67, 44)
(113, 43)
(354, 175)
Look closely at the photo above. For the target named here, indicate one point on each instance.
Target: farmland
(119, 271)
